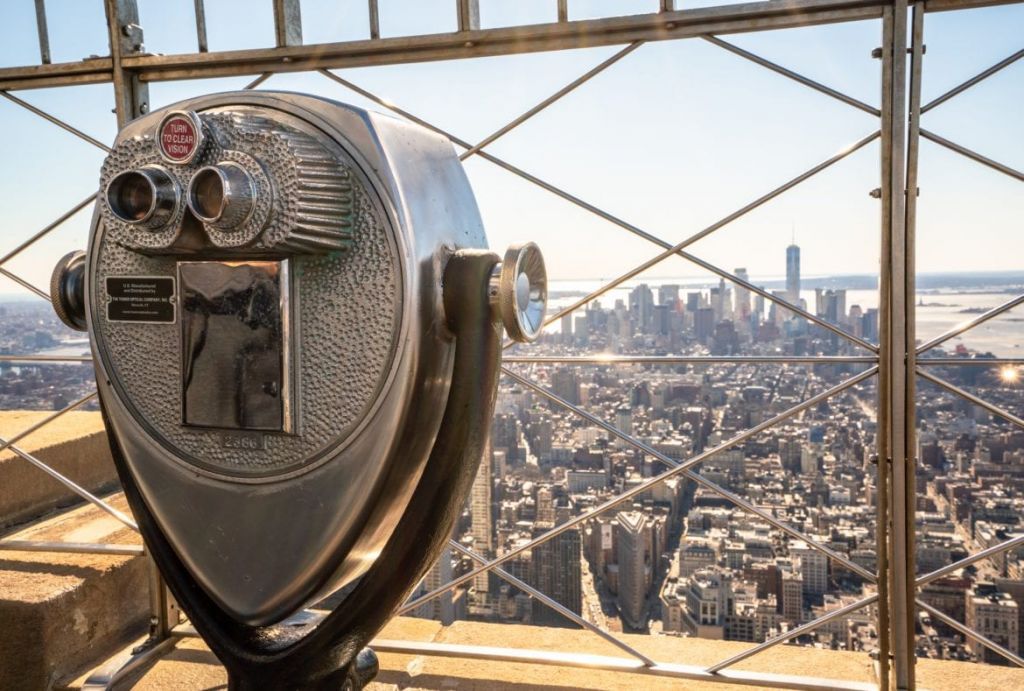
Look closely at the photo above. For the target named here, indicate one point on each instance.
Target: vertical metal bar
(909, 593)
(882, 492)
(374, 11)
(563, 10)
(287, 23)
(667, 6)
(204, 46)
(894, 268)
(131, 96)
(469, 14)
(44, 34)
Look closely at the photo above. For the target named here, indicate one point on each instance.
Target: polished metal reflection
(235, 372)
(223, 195)
(147, 196)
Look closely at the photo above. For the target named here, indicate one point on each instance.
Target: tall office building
(441, 608)
(641, 307)
(813, 566)
(668, 295)
(741, 298)
(793, 273)
(556, 571)
(566, 385)
(481, 527)
(632, 537)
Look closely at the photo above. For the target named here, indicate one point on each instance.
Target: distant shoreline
(927, 283)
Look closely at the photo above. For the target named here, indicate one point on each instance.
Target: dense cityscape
(680, 557)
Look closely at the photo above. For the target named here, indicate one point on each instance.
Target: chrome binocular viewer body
(296, 327)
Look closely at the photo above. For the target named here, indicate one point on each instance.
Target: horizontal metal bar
(555, 605)
(973, 155)
(964, 86)
(641, 487)
(56, 121)
(793, 633)
(971, 633)
(953, 388)
(25, 284)
(795, 76)
(45, 358)
(690, 359)
(970, 361)
(565, 90)
(59, 220)
(657, 26)
(71, 547)
(736, 499)
(971, 323)
(967, 561)
(614, 664)
(127, 660)
(91, 71)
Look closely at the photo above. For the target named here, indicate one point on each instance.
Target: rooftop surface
(192, 666)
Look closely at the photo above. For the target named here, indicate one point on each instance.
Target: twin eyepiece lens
(222, 195)
(147, 196)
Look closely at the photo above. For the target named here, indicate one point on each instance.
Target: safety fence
(892, 365)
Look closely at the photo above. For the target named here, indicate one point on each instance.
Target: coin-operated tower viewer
(296, 327)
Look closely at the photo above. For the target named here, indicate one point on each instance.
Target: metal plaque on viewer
(144, 299)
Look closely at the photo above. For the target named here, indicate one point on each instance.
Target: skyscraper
(741, 298)
(557, 572)
(793, 273)
(633, 535)
(480, 516)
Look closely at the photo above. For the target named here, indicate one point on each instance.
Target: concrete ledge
(61, 612)
(75, 445)
(192, 666)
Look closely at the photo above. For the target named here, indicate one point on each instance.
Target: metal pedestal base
(355, 677)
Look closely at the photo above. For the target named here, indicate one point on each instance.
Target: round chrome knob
(67, 290)
(519, 290)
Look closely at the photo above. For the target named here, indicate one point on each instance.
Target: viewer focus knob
(67, 290)
(519, 290)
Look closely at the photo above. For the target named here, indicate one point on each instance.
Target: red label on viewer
(178, 138)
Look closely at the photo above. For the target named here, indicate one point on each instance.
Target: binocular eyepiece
(146, 196)
(222, 195)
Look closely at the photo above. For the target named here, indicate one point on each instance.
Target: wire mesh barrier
(888, 586)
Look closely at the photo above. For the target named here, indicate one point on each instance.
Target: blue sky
(672, 138)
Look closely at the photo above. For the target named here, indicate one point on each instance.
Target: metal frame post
(896, 404)
(131, 95)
